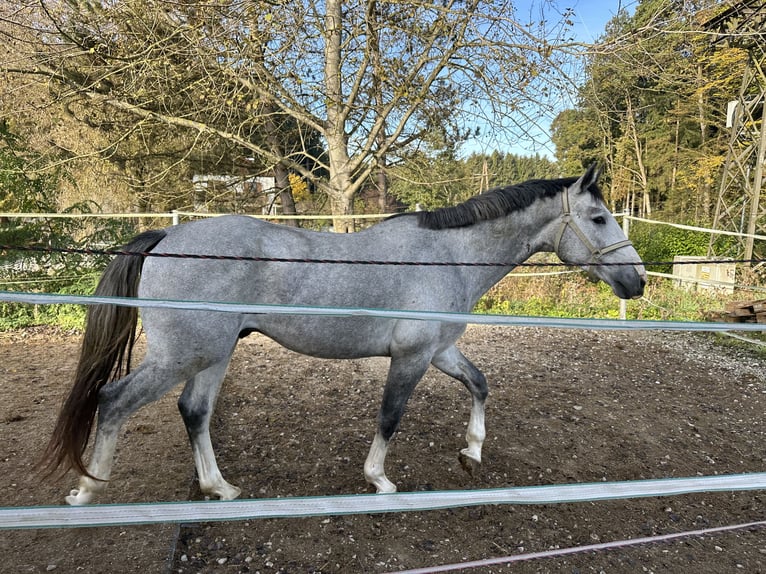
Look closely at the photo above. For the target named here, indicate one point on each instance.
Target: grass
(68, 317)
(572, 295)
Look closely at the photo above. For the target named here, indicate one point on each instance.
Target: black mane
(498, 202)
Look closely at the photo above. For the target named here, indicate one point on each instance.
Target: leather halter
(567, 221)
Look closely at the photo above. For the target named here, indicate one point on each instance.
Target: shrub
(660, 243)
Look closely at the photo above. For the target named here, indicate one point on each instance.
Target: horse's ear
(590, 177)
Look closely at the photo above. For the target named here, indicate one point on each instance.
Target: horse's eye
(599, 220)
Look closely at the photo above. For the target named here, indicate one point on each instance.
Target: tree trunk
(342, 205)
(705, 204)
(377, 71)
(340, 191)
(282, 183)
(646, 205)
(676, 154)
(382, 187)
(281, 174)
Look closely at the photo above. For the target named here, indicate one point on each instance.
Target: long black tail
(104, 356)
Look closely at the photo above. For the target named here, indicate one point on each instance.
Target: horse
(281, 265)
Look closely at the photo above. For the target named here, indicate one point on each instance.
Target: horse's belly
(328, 337)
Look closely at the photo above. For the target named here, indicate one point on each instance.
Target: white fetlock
(383, 485)
(470, 457)
(473, 452)
(374, 466)
(379, 480)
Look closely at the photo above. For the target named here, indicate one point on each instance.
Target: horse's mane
(498, 202)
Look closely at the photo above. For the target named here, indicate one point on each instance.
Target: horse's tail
(104, 356)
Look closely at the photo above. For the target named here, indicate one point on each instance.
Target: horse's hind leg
(403, 375)
(453, 363)
(196, 405)
(117, 401)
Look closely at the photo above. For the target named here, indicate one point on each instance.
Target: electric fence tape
(471, 318)
(588, 548)
(297, 507)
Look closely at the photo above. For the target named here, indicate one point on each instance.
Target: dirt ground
(565, 406)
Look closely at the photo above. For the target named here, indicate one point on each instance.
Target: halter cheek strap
(567, 221)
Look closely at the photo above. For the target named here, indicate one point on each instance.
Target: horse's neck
(510, 240)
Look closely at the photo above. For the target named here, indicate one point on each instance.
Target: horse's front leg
(403, 375)
(453, 363)
(470, 457)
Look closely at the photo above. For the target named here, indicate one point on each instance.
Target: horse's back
(253, 263)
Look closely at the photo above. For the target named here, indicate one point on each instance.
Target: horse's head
(588, 235)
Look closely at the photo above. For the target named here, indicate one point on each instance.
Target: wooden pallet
(743, 312)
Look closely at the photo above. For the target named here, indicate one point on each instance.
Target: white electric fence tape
(472, 318)
(184, 512)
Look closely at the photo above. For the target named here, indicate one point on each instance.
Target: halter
(567, 221)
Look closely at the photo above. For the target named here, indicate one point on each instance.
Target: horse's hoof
(383, 486)
(230, 492)
(78, 497)
(221, 491)
(469, 464)
(386, 489)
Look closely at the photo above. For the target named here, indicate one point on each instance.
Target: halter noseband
(567, 221)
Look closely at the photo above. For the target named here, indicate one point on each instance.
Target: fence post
(176, 218)
(626, 231)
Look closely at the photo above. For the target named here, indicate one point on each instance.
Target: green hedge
(656, 243)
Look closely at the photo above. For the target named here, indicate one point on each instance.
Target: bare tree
(375, 78)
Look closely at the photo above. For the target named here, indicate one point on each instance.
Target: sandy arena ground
(565, 407)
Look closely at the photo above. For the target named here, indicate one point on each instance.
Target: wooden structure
(743, 312)
(740, 207)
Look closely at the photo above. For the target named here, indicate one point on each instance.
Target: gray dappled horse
(508, 224)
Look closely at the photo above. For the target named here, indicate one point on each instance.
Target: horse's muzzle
(627, 282)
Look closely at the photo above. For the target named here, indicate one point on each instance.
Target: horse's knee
(482, 393)
(476, 383)
(455, 364)
(194, 413)
(388, 423)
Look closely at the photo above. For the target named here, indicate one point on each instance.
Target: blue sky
(589, 19)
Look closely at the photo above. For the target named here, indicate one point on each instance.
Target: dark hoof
(471, 466)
